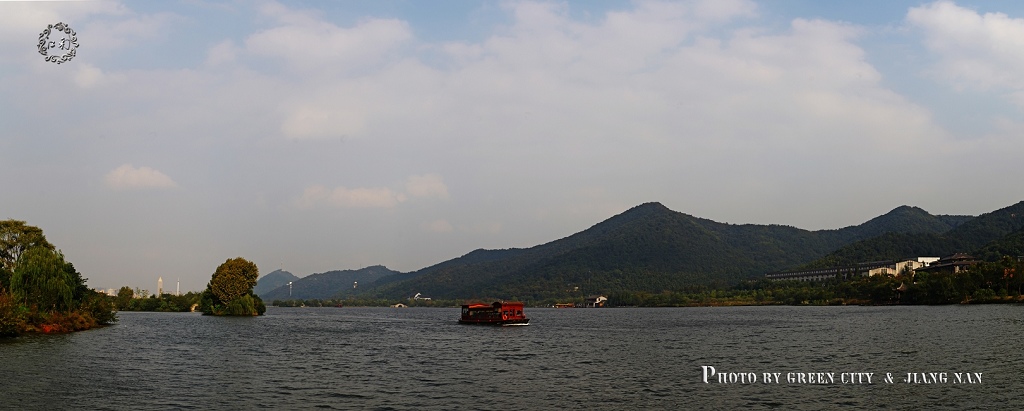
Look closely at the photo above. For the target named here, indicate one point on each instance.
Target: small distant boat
(500, 313)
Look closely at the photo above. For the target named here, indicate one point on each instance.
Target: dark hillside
(273, 280)
(968, 236)
(1011, 245)
(989, 227)
(329, 284)
(648, 248)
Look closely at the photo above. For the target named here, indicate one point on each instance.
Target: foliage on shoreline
(125, 301)
(40, 291)
(986, 283)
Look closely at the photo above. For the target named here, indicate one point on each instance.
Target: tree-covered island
(40, 291)
(230, 290)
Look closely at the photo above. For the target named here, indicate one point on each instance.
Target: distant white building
(159, 286)
(905, 266)
(955, 263)
(595, 301)
(850, 272)
(419, 296)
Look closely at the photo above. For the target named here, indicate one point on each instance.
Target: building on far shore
(955, 263)
(889, 267)
(594, 301)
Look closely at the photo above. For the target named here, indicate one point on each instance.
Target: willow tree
(41, 277)
(230, 290)
(17, 237)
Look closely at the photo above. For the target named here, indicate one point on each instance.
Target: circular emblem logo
(63, 44)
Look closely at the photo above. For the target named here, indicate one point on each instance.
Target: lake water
(420, 358)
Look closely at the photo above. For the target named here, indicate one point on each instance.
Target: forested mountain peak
(642, 211)
(904, 219)
(967, 234)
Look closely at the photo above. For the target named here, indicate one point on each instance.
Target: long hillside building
(891, 267)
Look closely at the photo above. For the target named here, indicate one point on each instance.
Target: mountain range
(650, 248)
(331, 284)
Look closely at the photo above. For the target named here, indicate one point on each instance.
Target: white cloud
(222, 53)
(118, 33)
(22, 22)
(427, 185)
(438, 226)
(19, 18)
(129, 177)
(417, 186)
(335, 94)
(306, 43)
(976, 51)
(88, 76)
(482, 227)
(331, 120)
(724, 10)
(376, 197)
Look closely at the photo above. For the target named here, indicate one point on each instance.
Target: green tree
(12, 314)
(99, 306)
(233, 279)
(79, 291)
(5, 278)
(124, 298)
(41, 291)
(16, 238)
(41, 277)
(230, 290)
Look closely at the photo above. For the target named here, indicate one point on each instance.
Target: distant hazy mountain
(272, 280)
(648, 248)
(332, 284)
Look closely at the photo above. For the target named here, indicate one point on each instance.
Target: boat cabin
(499, 313)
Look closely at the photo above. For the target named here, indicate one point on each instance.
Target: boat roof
(495, 304)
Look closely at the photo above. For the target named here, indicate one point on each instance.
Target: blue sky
(335, 135)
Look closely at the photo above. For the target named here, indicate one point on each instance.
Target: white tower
(159, 286)
(177, 289)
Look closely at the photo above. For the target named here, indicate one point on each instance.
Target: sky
(316, 136)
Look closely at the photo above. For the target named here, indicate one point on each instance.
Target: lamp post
(289, 289)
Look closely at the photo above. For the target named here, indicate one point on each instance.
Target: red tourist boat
(499, 313)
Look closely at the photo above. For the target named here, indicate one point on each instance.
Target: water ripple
(399, 359)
